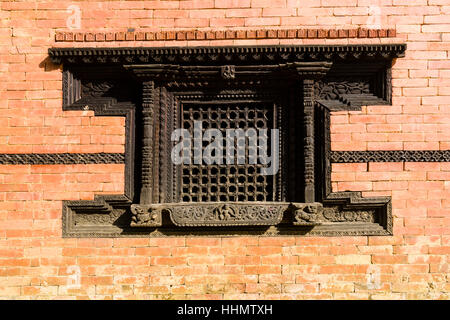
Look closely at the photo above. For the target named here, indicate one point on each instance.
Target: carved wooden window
(289, 88)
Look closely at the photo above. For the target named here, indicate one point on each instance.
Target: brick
(410, 269)
(203, 242)
(262, 270)
(227, 22)
(109, 36)
(120, 36)
(354, 186)
(242, 260)
(278, 12)
(261, 34)
(180, 35)
(349, 167)
(190, 23)
(267, 3)
(170, 35)
(240, 34)
(316, 260)
(282, 241)
(387, 146)
(363, 33)
(59, 36)
(337, 3)
(230, 34)
(394, 185)
(89, 37)
(263, 250)
(140, 36)
(99, 37)
(352, 33)
(200, 35)
(302, 33)
(312, 33)
(219, 35)
(150, 36)
(160, 242)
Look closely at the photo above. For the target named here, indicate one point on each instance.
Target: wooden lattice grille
(240, 181)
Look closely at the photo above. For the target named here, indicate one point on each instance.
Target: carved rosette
(307, 214)
(145, 216)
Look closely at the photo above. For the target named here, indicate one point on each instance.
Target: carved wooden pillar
(308, 149)
(148, 89)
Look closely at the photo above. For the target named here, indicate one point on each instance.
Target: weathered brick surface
(35, 262)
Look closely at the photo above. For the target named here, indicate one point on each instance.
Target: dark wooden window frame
(143, 85)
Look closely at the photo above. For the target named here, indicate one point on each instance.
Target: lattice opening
(240, 181)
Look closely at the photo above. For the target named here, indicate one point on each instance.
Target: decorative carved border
(224, 34)
(222, 214)
(62, 158)
(117, 158)
(226, 55)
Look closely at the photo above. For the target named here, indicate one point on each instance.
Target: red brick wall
(35, 262)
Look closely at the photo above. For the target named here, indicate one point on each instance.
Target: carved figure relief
(145, 216)
(227, 72)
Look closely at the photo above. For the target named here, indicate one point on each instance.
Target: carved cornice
(226, 55)
(309, 70)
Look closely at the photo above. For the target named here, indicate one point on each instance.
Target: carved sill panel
(160, 89)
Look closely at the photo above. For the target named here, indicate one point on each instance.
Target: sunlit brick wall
(36, 262)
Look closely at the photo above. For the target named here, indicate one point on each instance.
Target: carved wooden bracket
(291, 88)
(146, 215)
